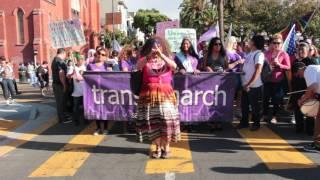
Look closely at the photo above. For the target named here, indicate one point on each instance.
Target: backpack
(266, 73)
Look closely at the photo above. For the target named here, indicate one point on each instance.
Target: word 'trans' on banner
(175, 37)
(66, 33)
(205, 97)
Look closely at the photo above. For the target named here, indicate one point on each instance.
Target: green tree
(199, 14)
(146, 20)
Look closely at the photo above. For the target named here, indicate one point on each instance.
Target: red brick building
(24, 26)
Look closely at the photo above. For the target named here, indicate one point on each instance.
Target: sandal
(156, 154)
(165, 154)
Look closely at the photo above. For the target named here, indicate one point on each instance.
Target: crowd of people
(264, 74)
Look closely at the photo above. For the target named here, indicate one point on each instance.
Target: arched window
(20, 16)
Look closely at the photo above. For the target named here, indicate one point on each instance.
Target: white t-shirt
(77, 85)
(249, 68)
(312, 76)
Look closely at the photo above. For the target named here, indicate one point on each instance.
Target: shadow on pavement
(304, 173)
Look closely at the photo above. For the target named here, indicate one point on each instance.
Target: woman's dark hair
(149, 44)
(212, 43)
(191, 50)
(258, 42)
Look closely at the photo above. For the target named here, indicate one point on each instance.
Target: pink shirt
(157, 72)
(283, 58)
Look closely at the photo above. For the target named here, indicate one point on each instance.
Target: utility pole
(113, 35)
(221, 25)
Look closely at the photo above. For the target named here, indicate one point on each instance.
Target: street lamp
(102, 42)
(241, 33)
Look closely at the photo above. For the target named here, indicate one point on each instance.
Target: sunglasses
(102, 54)
(276, 43)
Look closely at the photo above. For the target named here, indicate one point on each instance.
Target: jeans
(8, 89)
(273, 91)
(60, 97)
(251, 98)
(77, 109)
(33, 78)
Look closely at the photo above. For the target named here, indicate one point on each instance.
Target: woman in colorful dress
(158, 116)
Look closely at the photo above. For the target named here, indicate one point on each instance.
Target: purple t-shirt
(94, 67)
(129, 64)
(233, 57)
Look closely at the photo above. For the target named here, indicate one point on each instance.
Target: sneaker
(67, 121)
(8, 102)
(12, 101)
(97, 132)
(274, 121)
(311, 148)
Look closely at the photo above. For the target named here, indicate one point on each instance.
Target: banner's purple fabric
(204, 97)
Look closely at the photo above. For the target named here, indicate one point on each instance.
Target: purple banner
(204, 97)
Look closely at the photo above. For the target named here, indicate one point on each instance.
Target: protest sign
(205, 97)
(162, 26)
(175, 37)
(66, 33)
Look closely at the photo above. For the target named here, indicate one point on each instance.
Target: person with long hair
(158, 116)
(127, 60)
(314, 53)
(100, 66)
(235, 62)
(187, 62)
(187, 59)
(216, 61)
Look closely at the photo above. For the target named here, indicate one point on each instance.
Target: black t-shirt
(57, 65)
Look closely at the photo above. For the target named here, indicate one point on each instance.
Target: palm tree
(198, 14)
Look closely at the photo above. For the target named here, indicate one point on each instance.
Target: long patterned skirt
(158, 115)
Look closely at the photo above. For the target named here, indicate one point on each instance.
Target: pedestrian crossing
(274, 151)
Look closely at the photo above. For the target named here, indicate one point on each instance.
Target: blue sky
(167, 7)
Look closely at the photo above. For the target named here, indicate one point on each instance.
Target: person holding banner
(187, 62)
(252, 84)
(312, 77)
(100, 66)
(187, 59)
(158, 116)
(216, 61)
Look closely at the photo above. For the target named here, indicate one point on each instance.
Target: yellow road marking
(70, 158)
(25, 138)
(180, 160)
(8, 125)
(274, 151)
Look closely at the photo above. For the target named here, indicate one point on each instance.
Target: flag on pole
(289, 43)
(211, 33)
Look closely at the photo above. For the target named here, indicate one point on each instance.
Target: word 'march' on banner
(205, 97)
